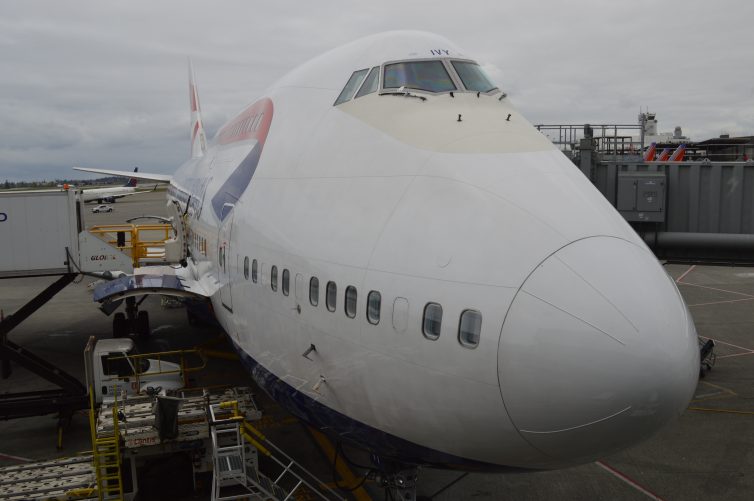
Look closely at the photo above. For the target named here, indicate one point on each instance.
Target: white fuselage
(585, 347)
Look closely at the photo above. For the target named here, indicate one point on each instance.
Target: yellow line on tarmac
(724, 393)
(729, 411)
(341, 467)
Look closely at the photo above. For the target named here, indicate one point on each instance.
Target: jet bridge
(43, 234)
(39, 229)
(691, 211)
(697, 210)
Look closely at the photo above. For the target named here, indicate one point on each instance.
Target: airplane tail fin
(650, 154)
(198, 138)
(678, 154)
(132, 181)
(664, 156)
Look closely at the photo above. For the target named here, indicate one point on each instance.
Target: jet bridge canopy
(163, 280)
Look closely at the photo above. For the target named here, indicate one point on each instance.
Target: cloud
(104, 84)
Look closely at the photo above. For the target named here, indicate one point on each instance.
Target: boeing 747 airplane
(403, 262)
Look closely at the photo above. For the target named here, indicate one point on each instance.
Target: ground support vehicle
(126, 433)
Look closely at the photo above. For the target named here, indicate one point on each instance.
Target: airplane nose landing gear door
(226, 264)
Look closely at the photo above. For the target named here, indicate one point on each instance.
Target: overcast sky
(103, 84)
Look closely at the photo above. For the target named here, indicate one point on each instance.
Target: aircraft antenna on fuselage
(198, 138)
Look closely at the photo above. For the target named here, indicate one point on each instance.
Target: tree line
(14, 185)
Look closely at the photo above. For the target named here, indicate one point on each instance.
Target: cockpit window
(353, 84)
(473, 76)
(421, 75)
(371, 83)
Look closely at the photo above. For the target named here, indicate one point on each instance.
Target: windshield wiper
(402, 92)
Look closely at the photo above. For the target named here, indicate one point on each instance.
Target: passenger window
(331, 296)
(246, 267)
(286, 282)
(254, 271)
(274, 278)
(350, 301)
(371, 83)
(470, 328)
(374, 303)
(432, 321)
(314, 291)
(351, 86)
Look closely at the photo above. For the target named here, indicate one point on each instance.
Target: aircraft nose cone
(598, 351)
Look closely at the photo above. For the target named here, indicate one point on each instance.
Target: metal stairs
(236, 471)
(106, 456)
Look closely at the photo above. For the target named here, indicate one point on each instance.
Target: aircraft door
(224, 257)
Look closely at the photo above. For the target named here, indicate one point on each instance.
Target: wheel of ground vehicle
(142, 324)
(120, 325)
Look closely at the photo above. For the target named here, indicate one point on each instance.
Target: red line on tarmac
(15, 458)
(722, 302)
(733, 345)
(625, 478)
(691, 268)
(736, 355)
(716, 289)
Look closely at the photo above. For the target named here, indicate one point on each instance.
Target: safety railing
(163, 364)
(292, 475)
(144, 243)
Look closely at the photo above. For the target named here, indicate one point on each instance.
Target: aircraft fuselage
(521, 322)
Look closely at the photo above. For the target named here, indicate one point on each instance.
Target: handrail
(184, 369)
(288, 468)
(132, 242)
(99, 458)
